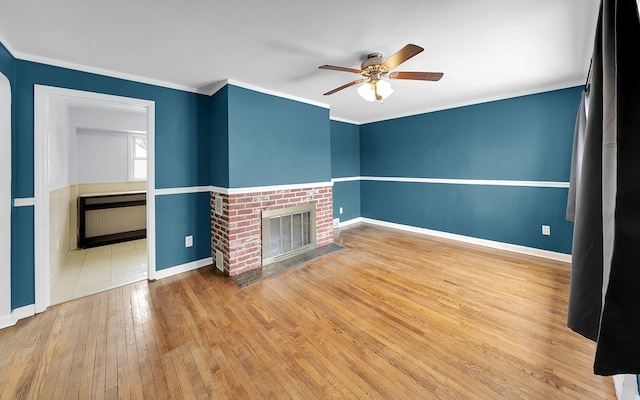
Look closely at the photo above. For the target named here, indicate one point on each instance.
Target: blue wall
(500, 213)
(347, 195)
(236, 138)
(276, 141)
(523, 138)
(7, 63)
(182, 123)
(345, 163)
(178, 216)
(526, 138)
(242, 138)
(220, 142)
(183, 127)
(22, 257)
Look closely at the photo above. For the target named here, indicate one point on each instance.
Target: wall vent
(218, 205)
(219, 260)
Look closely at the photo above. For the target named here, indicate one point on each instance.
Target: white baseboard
(626, 387)
(16, 315)
(353, 221)
(466, 239)
(178, 269)
(6, 321)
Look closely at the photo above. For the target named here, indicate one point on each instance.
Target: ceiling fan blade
(418, 76)
(344, 86)
(345, 69)
(402, 55)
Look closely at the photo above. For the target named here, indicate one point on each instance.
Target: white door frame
(42, 98)
(5, 202)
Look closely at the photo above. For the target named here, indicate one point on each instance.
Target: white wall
(59, 196)
(100, 145)
(59, 229)
(5, 202)
(109, 119)
(626, 387)
(88, 143)
(59, 142)
(102, 156)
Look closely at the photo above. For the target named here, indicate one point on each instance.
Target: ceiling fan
(375, 67)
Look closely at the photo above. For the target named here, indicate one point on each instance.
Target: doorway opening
(83, 149)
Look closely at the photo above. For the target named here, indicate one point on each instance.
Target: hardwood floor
(392, 316)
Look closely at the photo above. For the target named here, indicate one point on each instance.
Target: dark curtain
(604, 300)
(577, 154)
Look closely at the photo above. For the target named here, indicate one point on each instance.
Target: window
(137, 158)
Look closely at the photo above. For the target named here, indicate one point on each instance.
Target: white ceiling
(487, 49)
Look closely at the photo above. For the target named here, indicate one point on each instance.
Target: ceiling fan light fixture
(376, 89)
(375, 67)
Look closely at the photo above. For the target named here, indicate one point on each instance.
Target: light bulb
(367, 92)
(384, 89)
(369, 89)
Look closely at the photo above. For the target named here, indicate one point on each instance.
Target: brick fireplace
(236, 221)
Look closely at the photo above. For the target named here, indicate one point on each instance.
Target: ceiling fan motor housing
(372, 59)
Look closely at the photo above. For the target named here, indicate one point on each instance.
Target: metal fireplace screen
(287, 232)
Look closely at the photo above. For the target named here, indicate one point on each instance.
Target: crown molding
(104, 72)
(93, 70)
(7, 46)
(275, 93)
(347, 121)
(213, 88)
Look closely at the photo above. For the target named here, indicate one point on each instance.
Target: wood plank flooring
(392, 316)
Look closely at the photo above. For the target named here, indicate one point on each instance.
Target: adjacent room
(97, 196)
(281, 199)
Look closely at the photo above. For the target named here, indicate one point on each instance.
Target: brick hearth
(237, 231)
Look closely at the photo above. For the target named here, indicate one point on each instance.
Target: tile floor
(88, 271)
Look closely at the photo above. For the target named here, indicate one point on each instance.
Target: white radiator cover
(115, 220)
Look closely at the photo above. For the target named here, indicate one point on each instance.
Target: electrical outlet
(546, 230)
(188, 241)
(341, 210)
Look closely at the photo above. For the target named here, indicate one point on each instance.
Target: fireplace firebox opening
(287, 232)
